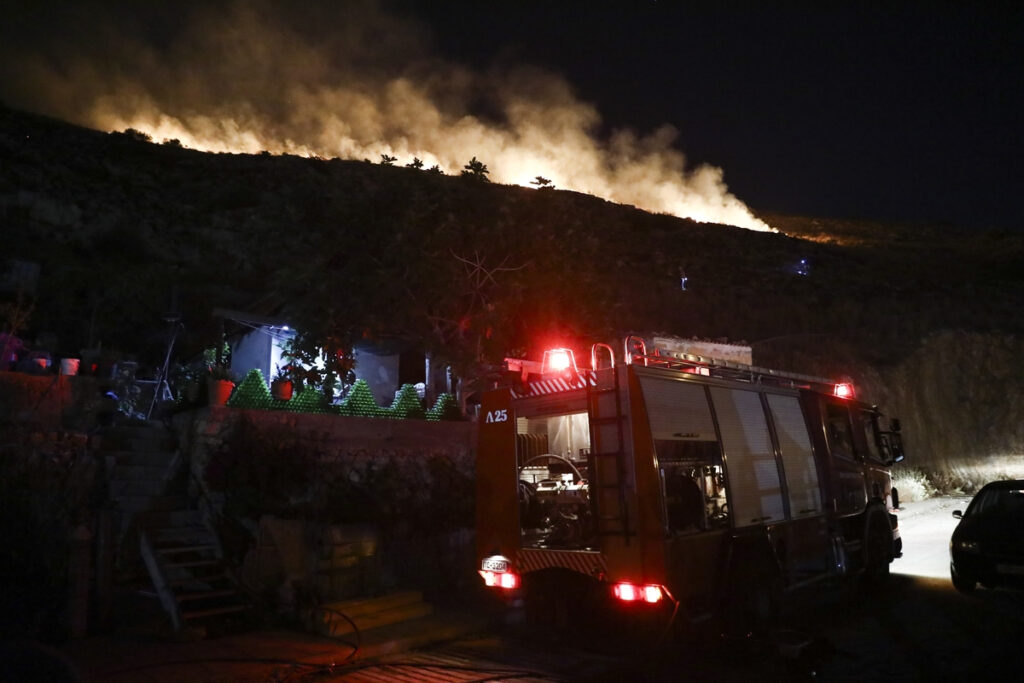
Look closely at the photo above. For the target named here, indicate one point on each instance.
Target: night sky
(913, 112)
(907, 113)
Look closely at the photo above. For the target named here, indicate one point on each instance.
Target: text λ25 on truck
(679, 487)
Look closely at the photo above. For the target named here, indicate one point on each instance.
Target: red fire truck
(679, 485)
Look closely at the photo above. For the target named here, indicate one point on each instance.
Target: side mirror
(958, 514)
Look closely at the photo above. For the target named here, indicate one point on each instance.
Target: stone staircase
(162, 541)
(142, 464)
(186, 564)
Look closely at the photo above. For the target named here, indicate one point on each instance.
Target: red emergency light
(558, 361)
(629, 592)
(843, 390)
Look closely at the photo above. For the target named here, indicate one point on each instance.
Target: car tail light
(628, 592)
(505, 580)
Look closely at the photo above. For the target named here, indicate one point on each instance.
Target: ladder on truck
(608, 472)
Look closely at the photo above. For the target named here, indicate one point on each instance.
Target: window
(689, 456)
(554, 495)
(754, 485)
(797, 457)
(840, 434)
(867, 420)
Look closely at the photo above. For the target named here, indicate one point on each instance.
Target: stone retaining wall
(406, 486)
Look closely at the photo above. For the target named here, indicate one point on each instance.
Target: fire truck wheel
(878, 550)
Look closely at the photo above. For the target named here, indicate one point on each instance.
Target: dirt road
(918, 628)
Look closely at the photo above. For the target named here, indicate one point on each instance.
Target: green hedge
(252, 393)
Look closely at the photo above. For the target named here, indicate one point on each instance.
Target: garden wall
(410, 481)
(52, 401)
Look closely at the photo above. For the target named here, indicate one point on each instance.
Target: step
(207, 579)
(359, 606)
(213, 611)
(330, 623)
(178, 549)
(142, 472)
(179, 542)
(192, 564)
(138, 504)
(137, 487)
(171, 521)
(204, 595)
(142, 458)
(162, 442)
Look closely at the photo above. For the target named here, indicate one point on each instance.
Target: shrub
(360, 402)
(406, 404)
(252, 392)
(445, 408)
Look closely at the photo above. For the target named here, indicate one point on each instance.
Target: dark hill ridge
(471, 268)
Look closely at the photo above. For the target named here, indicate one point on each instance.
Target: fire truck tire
(877, 549)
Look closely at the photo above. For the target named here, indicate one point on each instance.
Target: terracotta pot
(281, 389)
(220, 391)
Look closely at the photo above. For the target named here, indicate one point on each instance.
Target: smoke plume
(348, 80)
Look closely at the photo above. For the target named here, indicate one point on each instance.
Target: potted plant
(282, 386)
(314, 364)
(220, 383)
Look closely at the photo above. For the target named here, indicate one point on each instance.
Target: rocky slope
(925, 316)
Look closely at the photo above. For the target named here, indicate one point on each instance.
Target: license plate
(1015, 569)
(495, 564)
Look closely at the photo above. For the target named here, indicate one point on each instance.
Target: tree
(416, 163)
(476, 170)
(387, 160)
(133, 134)
(542, 183)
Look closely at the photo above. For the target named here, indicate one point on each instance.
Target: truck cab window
(867, 421)
(840, 434)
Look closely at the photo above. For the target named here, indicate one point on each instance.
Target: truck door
(850, 495)
(806, 539)
(876, 471)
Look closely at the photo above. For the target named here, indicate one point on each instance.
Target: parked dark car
(987, 546)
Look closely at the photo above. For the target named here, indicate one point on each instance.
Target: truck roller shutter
(755, 489)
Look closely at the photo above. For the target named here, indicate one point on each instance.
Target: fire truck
(700, 490)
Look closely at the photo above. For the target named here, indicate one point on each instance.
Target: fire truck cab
(676, 483)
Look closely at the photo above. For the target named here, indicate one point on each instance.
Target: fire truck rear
(696, 490)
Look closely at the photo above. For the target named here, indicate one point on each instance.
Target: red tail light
(628, 592)
(505, 580)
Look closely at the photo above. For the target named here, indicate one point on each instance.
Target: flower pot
(281, 389)
(220, 391)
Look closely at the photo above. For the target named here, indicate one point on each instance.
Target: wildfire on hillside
(251, 79)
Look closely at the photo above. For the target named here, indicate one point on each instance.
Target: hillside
(926, 316)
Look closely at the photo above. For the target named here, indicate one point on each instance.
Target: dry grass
(915, 484)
